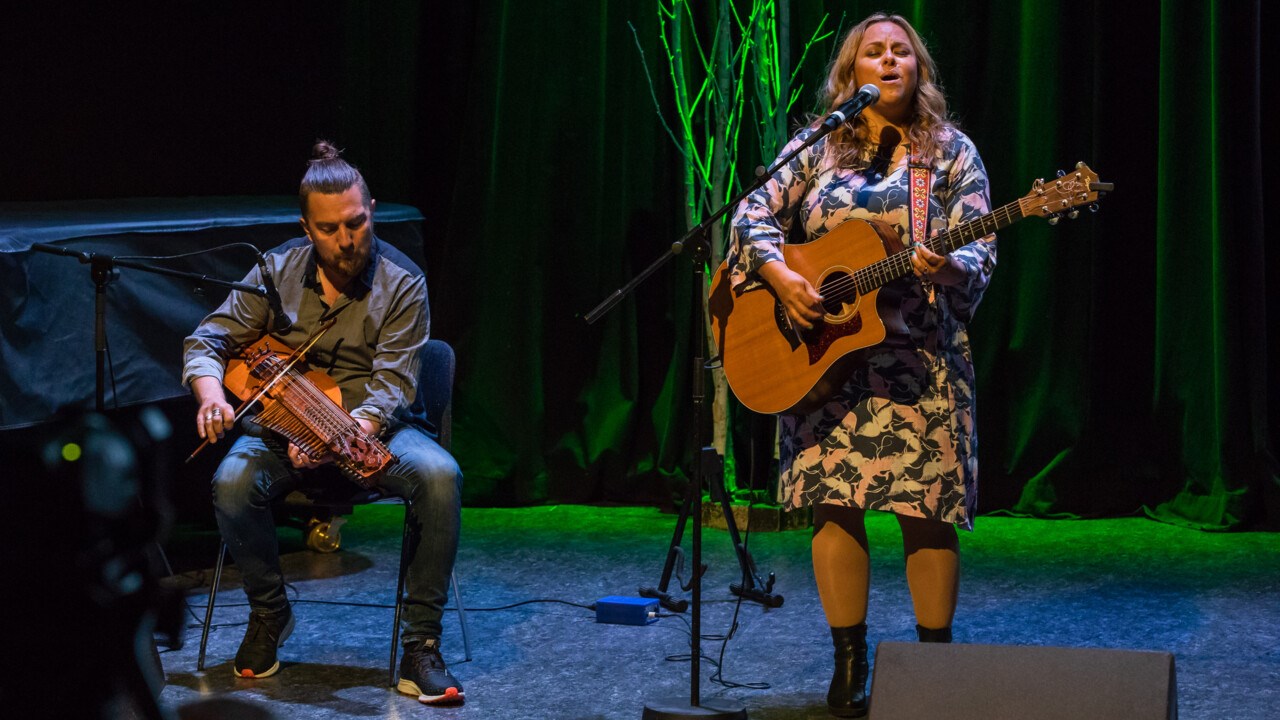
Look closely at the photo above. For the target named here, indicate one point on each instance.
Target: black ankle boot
(941, 635)
(847, 697)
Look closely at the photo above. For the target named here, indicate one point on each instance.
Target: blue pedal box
(621, 610)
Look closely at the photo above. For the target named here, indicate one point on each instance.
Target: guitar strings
(899, 264)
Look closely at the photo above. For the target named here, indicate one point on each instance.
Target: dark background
(1126, 360)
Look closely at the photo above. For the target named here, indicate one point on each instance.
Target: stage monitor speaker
(1008, 682)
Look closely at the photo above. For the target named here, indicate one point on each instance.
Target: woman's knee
(848, 518)
(926, 534)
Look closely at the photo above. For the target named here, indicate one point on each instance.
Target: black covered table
(47, 301)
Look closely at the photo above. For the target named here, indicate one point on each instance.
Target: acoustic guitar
(775, 367)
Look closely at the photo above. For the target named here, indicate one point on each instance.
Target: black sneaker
(423, 673)
(267, 632)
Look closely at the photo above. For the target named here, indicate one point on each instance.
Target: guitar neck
(898, 265)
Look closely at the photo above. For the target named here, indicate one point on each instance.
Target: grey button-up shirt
(372, 352)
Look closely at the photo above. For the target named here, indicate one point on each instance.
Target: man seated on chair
(378, 297)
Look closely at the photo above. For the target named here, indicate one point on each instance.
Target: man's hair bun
(323, 150)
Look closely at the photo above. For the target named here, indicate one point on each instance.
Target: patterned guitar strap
(921, 179)
(920, 172)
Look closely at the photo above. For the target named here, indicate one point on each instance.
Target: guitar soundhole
(839, 296)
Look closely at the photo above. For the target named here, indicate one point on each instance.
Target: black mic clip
(280, 321)
(866, 96)
(665, 599)
(765, 596)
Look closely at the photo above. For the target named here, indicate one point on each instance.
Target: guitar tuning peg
(1061, 173)
(1053, 219)
(1080, 165)
(1093, 207)
(1038, 183)
(1073, 214)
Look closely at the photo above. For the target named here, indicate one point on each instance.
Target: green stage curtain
(1122, 357)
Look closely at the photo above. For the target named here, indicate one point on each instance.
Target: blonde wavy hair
(929, 124)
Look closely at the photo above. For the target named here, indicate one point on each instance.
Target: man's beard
(349, 265)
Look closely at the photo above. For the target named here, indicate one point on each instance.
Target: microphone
(282, 321)
(866, 96)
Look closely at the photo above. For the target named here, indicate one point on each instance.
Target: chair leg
(208, 608)
(462, 614)
(404, 567)
(395, 630)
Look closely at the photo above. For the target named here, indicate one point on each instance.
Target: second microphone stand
(707, 463)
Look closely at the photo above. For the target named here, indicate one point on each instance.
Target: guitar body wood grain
(773, 367)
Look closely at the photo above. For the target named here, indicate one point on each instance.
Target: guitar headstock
(1065, 194)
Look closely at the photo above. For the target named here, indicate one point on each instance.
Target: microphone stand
(139, 684)
(103, 270)
(695, 240)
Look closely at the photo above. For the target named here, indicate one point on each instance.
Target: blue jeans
(426, 476)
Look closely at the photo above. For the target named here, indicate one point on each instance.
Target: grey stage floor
(1210, 599)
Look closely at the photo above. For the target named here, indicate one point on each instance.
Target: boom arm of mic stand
(616, 296)
(88, 258)
(102, 268)
(699, 231)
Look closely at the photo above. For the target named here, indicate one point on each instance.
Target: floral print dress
(899, 435)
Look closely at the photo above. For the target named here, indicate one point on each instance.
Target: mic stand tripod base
(678, 708)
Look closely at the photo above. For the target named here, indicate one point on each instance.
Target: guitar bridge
(787, 328)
